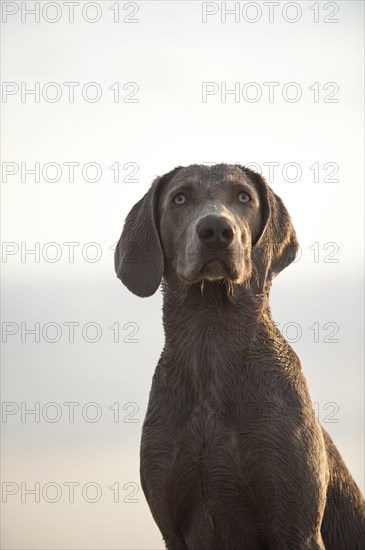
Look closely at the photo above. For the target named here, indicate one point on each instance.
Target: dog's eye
(179, 198)
(244, 197)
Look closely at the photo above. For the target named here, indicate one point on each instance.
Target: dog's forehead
(208, 177)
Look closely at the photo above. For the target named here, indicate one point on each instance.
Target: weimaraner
(232, 455)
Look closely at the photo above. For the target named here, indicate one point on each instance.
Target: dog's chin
(213, 270)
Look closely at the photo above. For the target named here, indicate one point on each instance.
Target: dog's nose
(215, 229)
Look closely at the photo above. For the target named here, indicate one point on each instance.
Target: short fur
(232, 455)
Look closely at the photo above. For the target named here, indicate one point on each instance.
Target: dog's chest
(208, 463)
(210, 414)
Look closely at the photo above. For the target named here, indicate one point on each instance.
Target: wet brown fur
(232, 455)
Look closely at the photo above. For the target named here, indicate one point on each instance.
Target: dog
(232, 455)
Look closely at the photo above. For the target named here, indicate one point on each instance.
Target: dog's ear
(277, 245)
(138, 255)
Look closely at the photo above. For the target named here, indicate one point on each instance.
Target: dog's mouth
(214, 263)
(214, 269)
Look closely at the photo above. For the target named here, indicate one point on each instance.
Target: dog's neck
(213, 310)
(210, 334)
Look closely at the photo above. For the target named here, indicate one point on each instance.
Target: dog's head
(201, 223)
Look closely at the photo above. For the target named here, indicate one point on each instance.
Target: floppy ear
(276, 245)
(138, 255)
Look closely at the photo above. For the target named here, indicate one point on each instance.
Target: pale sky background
(168, 53)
